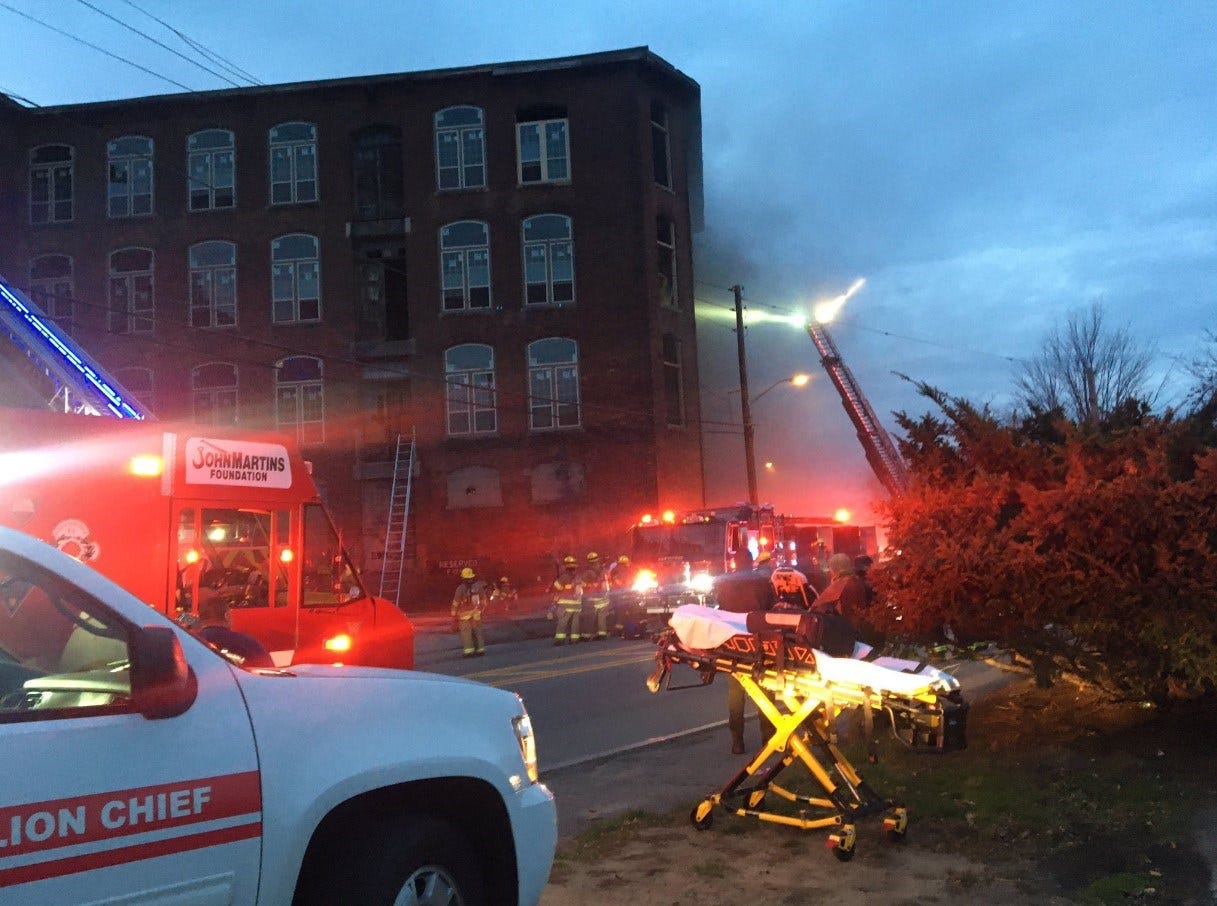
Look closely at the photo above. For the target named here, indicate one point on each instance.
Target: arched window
(212, 163)
(295, 281)
(300, 398)
(213, 389)
(293, 163)
(549, 260)
(673, 381)
(51, 286)
(138, 381)
(130, 164)
(131, 291)
(469, 379)
(553, 384)
(213, 284)
(465, 265)
(460, 148)
(378, 172)
(51, 178)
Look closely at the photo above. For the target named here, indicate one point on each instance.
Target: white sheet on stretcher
(704, 628)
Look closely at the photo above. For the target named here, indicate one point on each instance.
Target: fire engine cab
(179, 513)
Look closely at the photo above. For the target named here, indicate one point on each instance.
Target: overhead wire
(199, 47)
(157, 42)
(93, 46)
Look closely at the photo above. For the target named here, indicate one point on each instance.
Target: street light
(797, 380)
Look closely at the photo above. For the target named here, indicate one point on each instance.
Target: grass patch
(608, 836)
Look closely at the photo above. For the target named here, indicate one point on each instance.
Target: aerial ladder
(880, 452)
(77, 383)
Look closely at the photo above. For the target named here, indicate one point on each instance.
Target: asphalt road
(605, 744)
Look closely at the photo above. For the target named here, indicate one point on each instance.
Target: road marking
(505, 677)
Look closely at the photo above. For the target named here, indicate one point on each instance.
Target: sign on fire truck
(179, 513)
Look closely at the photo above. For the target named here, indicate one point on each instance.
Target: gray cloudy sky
(987, 167)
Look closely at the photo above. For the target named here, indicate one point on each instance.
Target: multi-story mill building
(495, 259)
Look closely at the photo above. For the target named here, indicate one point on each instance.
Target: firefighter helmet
(467, 573)
(503, 580)
(763, 557)
(623, 559)
(568, 560)
(593, 557)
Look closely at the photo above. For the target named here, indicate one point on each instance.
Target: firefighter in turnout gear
(596, 597)
(468, 603)
(622, 597)
(568, 602)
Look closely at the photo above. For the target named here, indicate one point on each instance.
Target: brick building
(496, 258)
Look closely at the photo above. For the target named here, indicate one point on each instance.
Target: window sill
(547, 306)
(467, 312)
(544, 182)
(461, 190)
(280, 205)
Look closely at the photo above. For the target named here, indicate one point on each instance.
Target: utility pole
(744, 402)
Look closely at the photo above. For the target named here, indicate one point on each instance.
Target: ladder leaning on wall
(397, 528)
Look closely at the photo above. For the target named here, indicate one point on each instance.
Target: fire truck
(677, 556)
(176, 513)
(179, 513)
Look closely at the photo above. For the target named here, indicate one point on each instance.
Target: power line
(157, 42)
(210, 55)
(93, 46)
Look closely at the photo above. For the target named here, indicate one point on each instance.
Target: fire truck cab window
(329, 579)
(228, 553)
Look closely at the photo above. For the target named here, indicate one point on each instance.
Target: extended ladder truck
(881, 453)
(178, 512)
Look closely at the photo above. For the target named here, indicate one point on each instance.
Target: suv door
(97, 801)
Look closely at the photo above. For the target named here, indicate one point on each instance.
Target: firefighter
(764, 564)
(621, 592)
(504, 594)
(596, 597)
(568, 602)
(467, 605)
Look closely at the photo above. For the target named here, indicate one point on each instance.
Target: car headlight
(528, 745)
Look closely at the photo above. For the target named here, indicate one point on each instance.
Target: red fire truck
(175, 513)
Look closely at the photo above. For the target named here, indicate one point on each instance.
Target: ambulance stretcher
(766, 654)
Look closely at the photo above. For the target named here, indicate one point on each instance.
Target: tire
(419, 861)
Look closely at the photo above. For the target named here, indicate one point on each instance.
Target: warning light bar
(62, 361)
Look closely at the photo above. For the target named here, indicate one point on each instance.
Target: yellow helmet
(467, 573)
(623, 559)
(593, 557)
(568, 560)
(503, 580)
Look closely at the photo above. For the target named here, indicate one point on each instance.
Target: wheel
(702, 815)
(420, 861)
(896, 822)
(841, 842)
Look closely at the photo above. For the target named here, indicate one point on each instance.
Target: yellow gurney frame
(777, 669)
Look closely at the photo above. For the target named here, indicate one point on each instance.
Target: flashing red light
(339, 643)
(764, 542)
(286, 555)
(669, 516)
(647, 519)
(842, 515)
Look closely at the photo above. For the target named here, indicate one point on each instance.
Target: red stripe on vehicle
(38, 826)
(110, 858)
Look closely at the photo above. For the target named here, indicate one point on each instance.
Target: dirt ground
(1068, 737)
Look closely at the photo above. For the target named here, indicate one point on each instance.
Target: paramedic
(742, 592)
(595, 598)
(846, 593)
(215, 628)
(568, 602)
(468, 602)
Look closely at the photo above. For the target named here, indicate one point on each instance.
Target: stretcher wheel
(841, 842)
(896, 822)
(702, 815)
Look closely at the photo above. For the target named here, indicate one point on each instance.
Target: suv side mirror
(162, 683)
